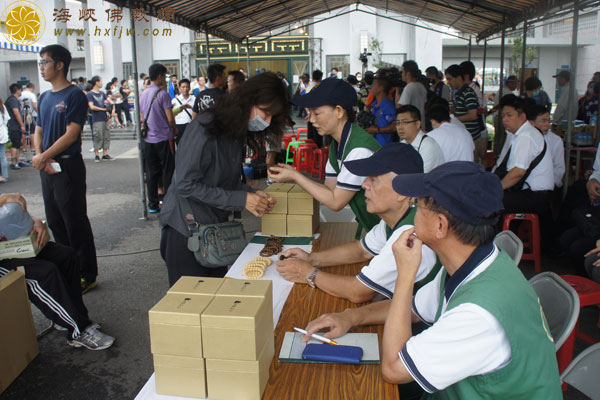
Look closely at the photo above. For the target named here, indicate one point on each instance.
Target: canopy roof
(234, 20)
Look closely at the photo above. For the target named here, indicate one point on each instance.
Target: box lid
(179, 309)
(296, 192)
(232, 312)
(178, 361)
(279, 188)
(246, 288)
(196, 285)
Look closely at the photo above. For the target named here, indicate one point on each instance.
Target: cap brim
(366, 167)
(309, 100)
(410, 185)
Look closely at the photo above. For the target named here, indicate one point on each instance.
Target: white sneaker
(92, 339)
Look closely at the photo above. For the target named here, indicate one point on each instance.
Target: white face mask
(257, 124)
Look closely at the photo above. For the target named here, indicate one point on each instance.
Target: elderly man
(379, 276)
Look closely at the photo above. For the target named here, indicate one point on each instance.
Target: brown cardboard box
(235, 328)
(248, 288)
(273, 224)
(196, 285)
(279, 191)
(24, 247)
(250, 377)
(300, 202)
(180, 376)
(18, 343)
(175, 325)
(302, 225)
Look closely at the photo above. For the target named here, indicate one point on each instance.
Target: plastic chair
(511, 244)
(319, 162)
(582, 373)
(303, 158)
(560, 304)
(301, 130)
(529, 233)
(294, 145)
(286, 139)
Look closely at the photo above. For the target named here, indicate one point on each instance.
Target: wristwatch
(311, 279)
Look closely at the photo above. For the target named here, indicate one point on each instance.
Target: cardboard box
(250, 377)
(175, 325)
(18, 343)
(279, 191)
(274, 224)
(248, 288)
(300, 202)
(236, 328)
(302, 225)
(24, 247)
(180, 376)
(196, 285)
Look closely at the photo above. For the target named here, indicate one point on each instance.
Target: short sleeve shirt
(158, 127)
(454, 141)
(97, 99)
(381, 273)
(430, 151)
(384, 114)
(56, 110)
(556, 148)
(206, 99)
(415, 94)
(525, 146)
(11, 103)
(464, 101)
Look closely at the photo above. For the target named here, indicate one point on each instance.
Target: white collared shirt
(556, 148)
(183, 117)
(429, 150)
(525, 146)
(455, 142)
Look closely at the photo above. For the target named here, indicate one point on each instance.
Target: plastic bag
(15, 222)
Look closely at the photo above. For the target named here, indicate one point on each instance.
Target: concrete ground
(132, 278)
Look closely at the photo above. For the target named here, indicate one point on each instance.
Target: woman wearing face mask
(533, 90)
(588, 105)
(207, 168)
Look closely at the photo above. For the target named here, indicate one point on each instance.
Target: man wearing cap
(488, 337)
(384, 111)
(379, 276)
(408, 126)
(330, 105)
(561, 111)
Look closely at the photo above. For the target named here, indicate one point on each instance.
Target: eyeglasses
(404, 123)
(43, 63)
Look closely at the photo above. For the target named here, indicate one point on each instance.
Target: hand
(39, 161)
(272, 201)
(42, 232)
(13, 198)
(256, 204)
(298, 254)
(187, 106)
(372, 129)
(282, 173)
(22, 129)
(295, 270)
(593, 188)
(338, 324)
(593, 251)
(49, 169)
(407, 252)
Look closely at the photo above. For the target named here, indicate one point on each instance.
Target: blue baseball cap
(331, 91)
(400, 158)
(463, 188)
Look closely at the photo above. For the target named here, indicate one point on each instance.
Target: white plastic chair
(560, 303)
(511, 244)
(582, 373)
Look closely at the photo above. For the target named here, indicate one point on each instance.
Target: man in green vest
(331, 112)
(379, 275)
(488, 337)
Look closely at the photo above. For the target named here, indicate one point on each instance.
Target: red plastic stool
(319, 162)
(529, 233)
(303, 158)
(286, 139)
(301, 130)
(589, 295)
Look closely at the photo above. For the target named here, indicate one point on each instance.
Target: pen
(315, 336)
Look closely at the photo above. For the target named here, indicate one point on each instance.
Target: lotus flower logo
(24, 24)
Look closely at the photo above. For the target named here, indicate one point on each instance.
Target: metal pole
(500, 93)
(571, 94)
(207, 45)
(137, 118)
(248, 55)
(523, 56)
(469, 58)
(483, 77)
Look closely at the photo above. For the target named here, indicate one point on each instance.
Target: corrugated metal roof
(236, 19)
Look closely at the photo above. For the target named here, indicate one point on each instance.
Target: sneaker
(154, 210)
(24, 164)
(86, 286)
(14, 166)
(92, 339)
(97, 159)
(107, 157)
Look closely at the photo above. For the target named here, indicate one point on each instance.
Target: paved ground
(132, 279)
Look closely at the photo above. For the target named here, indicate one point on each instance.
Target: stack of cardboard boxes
(213, 338)
(296, 213)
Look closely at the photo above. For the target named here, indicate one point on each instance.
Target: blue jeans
(3, 162)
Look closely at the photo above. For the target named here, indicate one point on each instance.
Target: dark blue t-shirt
(97, 99)
(56, 110)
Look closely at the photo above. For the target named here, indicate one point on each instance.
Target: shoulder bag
(144, 128)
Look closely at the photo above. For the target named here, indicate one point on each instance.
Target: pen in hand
(315, 336)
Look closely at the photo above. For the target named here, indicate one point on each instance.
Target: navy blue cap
(400, 158)
(331, 91)
(463, 188)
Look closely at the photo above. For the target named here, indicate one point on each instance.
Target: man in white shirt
(182, 105)
(539, 116)
(414, 93)
(560, 113)
(379, 275)
(408, 126)
(527, 175)
(29, 100)
(454, 140)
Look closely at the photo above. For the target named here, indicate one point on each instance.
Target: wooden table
(324, 381)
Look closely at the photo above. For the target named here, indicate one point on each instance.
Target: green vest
(532, 372)
(409, 219)
(358, 138)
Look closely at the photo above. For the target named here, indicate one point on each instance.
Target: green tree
(377, 49)
(517, 50)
